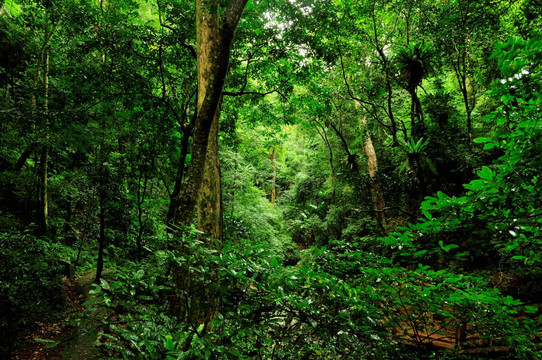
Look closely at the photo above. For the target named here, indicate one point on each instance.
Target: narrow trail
(59, 339)
(53, 330)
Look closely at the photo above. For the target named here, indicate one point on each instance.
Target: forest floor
(49, 332)
(59, 339)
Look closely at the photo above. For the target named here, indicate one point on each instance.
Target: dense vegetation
(308, 179)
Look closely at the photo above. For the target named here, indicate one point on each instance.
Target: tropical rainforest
(270, 179)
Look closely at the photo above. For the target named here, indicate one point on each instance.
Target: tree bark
(323, 135)
(214, 39)
(43, 226)
(376, 192)
(141, 194)
(213, 50)
(387, 73)
(101, 239)
(102, 193)
(174, 201)
(351, 158)
(274, 177)
(464, 86)
(372, 169)
(417, 124)
(209, 201)
(204, 302)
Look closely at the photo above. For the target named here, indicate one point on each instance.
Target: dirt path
(54, 330)
(73, 343)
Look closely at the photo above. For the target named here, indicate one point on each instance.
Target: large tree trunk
(210, 194)
(214, 39)
(204, 301)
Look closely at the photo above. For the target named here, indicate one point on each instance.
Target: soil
(59, 339)
(53, 331)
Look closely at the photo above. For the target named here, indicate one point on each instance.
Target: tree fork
(213, 50)
(214, 43)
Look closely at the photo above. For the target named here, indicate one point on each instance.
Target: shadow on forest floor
(59, 339)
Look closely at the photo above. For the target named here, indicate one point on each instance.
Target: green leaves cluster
(340, 303)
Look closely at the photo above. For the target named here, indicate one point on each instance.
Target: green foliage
(30, 286)
(415, 60)
(501, 205)
(249, 217)
(116, 117)
(340, 303)
(413, 147)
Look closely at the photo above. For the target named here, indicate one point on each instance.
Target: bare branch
(239, 93)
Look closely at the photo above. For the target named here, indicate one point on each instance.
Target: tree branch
(359, 100)
(232, 15)
(189, 47)
(239, 93)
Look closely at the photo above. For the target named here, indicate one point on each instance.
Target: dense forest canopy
(286, 179)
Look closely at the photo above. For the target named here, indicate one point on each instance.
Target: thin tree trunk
(273, 179)
(387, 73)
(232, 211)
(43, 227)
(141, 193)
(102, 195)
(101, 239)
(351, 158)
(174, 202)
(41, 216)
(464, 86)
(460, 68)
(372, 169)
(323, 135)
(417, 126)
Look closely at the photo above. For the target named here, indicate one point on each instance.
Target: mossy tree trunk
(215, 34)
